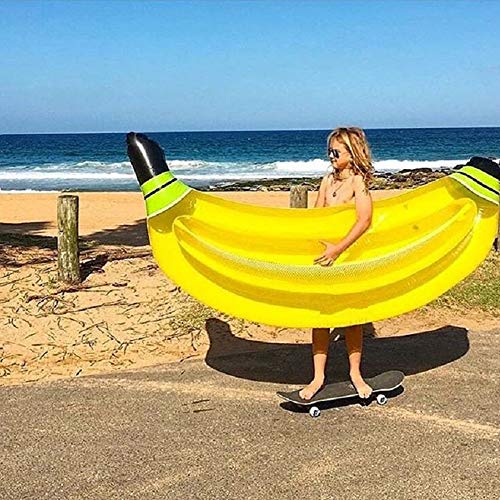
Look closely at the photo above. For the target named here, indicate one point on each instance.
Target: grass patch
(479, 290)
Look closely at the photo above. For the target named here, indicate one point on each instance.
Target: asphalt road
(215, 429)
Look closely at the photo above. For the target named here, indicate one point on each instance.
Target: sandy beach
(126, 313)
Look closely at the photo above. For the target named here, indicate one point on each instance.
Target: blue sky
(81, 66)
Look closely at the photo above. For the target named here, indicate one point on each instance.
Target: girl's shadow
(292, 363)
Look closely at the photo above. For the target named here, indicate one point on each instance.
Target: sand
(126, 313)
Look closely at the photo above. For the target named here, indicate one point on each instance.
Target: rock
(406, 178)
(425, 170)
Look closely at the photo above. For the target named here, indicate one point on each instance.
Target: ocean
(99, 162)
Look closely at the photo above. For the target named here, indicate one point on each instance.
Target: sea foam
(200, 170)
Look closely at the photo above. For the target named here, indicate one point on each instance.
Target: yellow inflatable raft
(256, 262)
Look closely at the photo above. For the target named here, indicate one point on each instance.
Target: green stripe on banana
(479, 182)
(162, 192)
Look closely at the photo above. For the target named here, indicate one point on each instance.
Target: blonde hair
(354, 139)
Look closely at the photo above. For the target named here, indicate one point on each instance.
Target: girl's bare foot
(364, 390)
(310, 390)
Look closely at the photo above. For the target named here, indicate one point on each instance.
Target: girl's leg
(354, 342)
(320, 343)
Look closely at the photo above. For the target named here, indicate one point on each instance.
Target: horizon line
(244, 130)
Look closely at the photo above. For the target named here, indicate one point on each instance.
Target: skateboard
(381, 384)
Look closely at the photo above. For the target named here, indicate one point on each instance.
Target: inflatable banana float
(256, 262)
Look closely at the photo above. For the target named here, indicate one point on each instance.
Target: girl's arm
(320, 199)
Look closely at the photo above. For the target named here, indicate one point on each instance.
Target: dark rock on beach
(413, 171)
(403, 179)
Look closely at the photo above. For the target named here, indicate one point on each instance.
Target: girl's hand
(329, 255)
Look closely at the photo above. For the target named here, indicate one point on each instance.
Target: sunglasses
(334, 152)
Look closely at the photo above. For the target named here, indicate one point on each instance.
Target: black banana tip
(147, 156)
(487, 165)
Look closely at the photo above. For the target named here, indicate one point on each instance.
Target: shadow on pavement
(292, 363)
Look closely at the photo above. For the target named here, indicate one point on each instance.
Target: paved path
(214, 428)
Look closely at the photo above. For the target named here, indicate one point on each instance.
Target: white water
(197, 170)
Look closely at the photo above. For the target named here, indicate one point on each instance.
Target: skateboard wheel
(314, 411)
(381, 399)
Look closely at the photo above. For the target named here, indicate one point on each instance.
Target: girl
(350, 159)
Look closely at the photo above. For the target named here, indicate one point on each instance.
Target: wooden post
(298, 197)
(68, 258)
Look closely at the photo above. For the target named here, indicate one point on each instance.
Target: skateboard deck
(384, 382)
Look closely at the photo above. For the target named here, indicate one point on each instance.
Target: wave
(32, 175)
(396, 165)
(198, 170)
(24, 191)
(316, 165)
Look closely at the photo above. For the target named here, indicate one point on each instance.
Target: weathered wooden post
(298, 197)
(68, 258)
